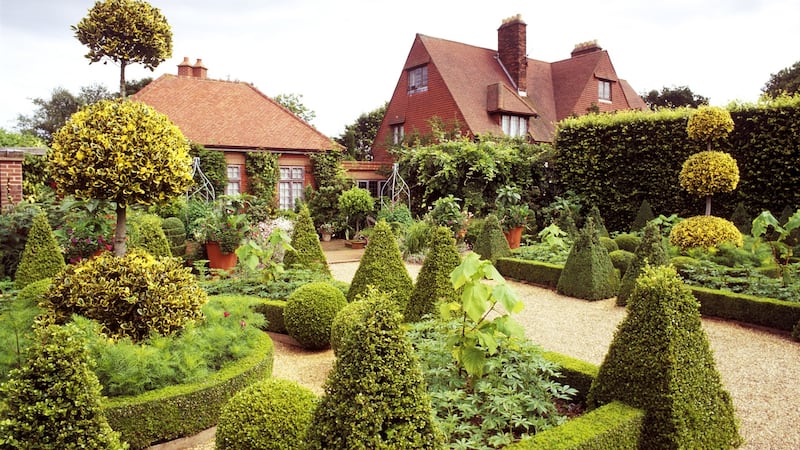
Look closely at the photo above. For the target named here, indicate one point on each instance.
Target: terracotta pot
(355, 244)
(514, 236)
(326, 237)
(217, 259)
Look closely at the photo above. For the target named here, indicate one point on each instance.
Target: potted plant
(222, 230)
(326, 231)
(513, 214)
(355, 203)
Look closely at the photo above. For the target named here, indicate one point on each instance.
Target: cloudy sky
(345, 56)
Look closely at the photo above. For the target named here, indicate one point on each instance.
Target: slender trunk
(708, 205)
(122, 79)
(120, 248)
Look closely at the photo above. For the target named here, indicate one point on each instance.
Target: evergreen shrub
(146, 233)
(42, 257)
(270, 415)
(609, 243)
(628, 241)
(704, 232)
(491, 243)
(643, 215)
(306, 250)
(621, 259)
(588, 272)
(433, 282)
(175, 232)
(599, 223)
(650, 252)
(310, 311)
(382, 266)
(345, 320)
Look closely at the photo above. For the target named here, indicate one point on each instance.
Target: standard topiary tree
(708, 124)
(433, 282)
(310, 311)
(660, 361)
(306, 250)
(53, 401)
(491, 243)
(269, 415)
(643, 215)
(375, 395)
(706, 173)
(704, 232)
(147, 234)
(382, 266)
(42, 257)
(650, 252)
(588, 272)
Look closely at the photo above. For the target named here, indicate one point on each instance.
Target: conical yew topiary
(382, 266)
(491, 243)
(660, 361)
(649, 252)
(644, 215)
(433, 282)
(307, 251)
(42, 257)
(599, 223)
(588, 272)
(375, 395)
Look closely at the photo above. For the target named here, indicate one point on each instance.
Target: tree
(674, 97)
(126, 32)
(294, 103)
(9, 139)
(785, 81)
(120, 151)
(359, 135)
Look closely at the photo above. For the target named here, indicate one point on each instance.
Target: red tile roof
(230, 114)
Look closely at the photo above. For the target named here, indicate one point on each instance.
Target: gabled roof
(230, 114)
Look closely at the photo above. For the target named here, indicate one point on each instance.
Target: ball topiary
(643, 215)
(307, 251)
(375, 395)
(628, 241)
(588, 272)
(491, 243)
(650, 252)
(345, 320)
(133, 295)
(433, 282)
(382, 267)
(53, 401)
(709, 172)
(708, 124)
(310, 311)
(660, 361)
(146, 233)
(269, 415)
(175, 232)
(704, 232)
(621, 259)
(42, 257)
(609, 244)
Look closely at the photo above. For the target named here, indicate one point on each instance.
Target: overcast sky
(345, 56)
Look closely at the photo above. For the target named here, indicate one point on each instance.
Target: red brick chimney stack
(511, 47)
(199, 70)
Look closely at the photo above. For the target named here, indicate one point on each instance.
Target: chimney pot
(185, 68)
(199, 70)
(511, 48)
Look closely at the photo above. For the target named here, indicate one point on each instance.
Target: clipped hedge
(767, 312)
(575, 373)
(536, 272)
(161, 415)
(272, 310)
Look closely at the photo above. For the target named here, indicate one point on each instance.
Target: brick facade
(10, 177)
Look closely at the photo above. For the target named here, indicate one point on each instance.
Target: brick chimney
(511, 48)
(185, 68)
(586, 47)
(199, 70)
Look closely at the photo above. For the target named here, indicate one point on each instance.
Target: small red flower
(226, 314)
(243, 324)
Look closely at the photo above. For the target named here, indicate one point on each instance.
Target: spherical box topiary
(709, 123)
(628, 241)
(709, 172)
(609, 243)
(310, 311)
(621, 259)
(269, 415)
(704, 232)
(42, 257)
(345, 320)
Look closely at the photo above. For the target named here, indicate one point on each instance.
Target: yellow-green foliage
(121, 151)
(709, 172)
(433, 282)
(42, 257)
(272, 414)
(704, 231)
(307, 251)
(660, 361)
(310, 311)
(133, 295)
(146, 233)
(709, 123)
(382, 267)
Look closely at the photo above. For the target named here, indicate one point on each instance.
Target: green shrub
(609, 243)
(765, 312)
(270, 415)
(42, 257)
(621, 259)
(588, 272)
(491, 243)
(416, 238)
(650, 252)
(133, 295)
(375, 396)
(306, 250)
(683, 263)
(542, 273)
(628, 241)
(704, 232)
(146, 233)
(433, 282)
(16, 325)
(53, 401)
(382, 267)
(643, 215)
(175, 232)
(396, 215)
(599, 223)
(272, 310)
(310, 311)
(345, 320)
(660, 361)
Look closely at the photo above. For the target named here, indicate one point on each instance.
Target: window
(397, 134)
(290, 186)
(373, 186)
(234, 185)
(418, 79)
(514, 126)
(604, 90)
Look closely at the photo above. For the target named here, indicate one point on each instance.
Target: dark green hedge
(575, 373)
(535, 272)
(767, 312)
(179, 411)
(273, 312)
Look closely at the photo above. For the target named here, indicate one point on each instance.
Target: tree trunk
(122, 79)
(120, 248)
(708, 205)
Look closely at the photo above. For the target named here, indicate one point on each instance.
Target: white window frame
(290, 186)
(234, 173)
(418, 79)
(373, 186)
(398, 133)
(604, 91)
(514, 126)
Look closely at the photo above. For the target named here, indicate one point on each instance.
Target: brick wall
(10, 177)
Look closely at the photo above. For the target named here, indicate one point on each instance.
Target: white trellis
(395, 189)
(203, 189)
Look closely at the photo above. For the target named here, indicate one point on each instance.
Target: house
(500, 92)
(236, 118)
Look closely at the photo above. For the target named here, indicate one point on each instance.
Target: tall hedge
(433, 282)
(307, 251)
(42, 257)
(382, 266)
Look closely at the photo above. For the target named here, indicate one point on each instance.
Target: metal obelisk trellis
(203, 189)
(395, 189)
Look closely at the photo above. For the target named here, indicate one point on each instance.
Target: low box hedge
(766, 312)
(536, 272)
(179, 411)
(576, 373)
(272, 310)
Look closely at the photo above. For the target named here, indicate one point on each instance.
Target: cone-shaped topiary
(588, 272)
(599, 223)
(375, 395)
(491, 243)
(42, 257)
(433, 282)
(660, 361)
(310, 311)
(53, 400)
(650, 252)
(305, 242)
(146, 233)
(175, 232)
(382, 266)
(644, 215)
(272, 414)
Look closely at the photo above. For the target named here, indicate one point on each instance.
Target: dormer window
(418, 79)
(514, 126)
(604, 90)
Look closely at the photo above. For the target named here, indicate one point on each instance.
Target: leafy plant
(223, 223)
(259, 254)
(447, 212)
(782, 253)
(553, 237)
(355, 203)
